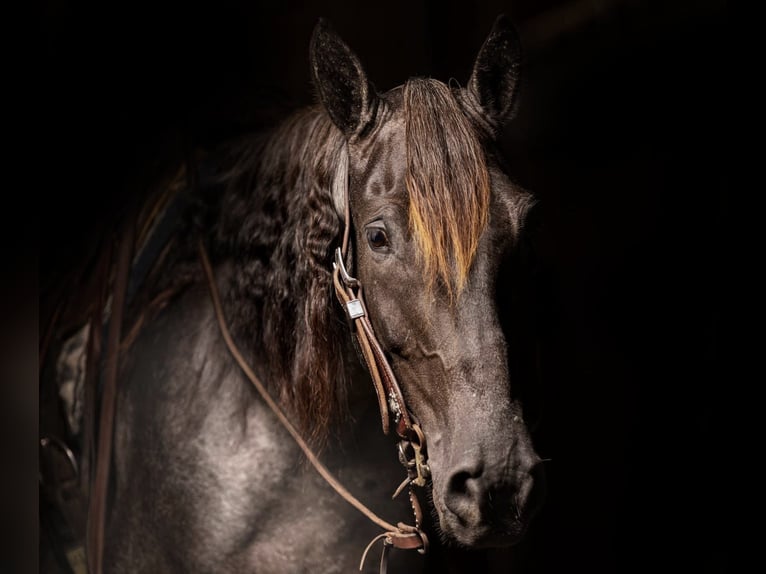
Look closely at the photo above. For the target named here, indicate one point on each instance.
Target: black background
(619, 134)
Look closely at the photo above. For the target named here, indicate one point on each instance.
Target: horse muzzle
(483, 506)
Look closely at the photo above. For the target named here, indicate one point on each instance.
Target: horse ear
(343, 87)
(495, 77)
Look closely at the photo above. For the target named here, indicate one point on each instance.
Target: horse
(205, 477)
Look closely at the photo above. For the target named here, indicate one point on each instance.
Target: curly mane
(278, 227)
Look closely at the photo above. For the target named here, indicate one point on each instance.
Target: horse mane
(447, 182)
(278, 227)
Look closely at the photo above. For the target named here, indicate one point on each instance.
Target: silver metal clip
(393, 404)
(348, 281)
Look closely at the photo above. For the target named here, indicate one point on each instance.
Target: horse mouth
(506, 533)
(495, 521)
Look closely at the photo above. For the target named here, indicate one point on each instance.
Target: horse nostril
(458, 484)
(464, 494)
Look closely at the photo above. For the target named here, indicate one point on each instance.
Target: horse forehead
(380, 161)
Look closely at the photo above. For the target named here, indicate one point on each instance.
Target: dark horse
(205, 478)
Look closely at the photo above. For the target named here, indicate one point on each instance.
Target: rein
(412, 446)
(401, 535)
(348, 290)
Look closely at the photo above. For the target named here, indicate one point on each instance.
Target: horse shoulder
(195, 446)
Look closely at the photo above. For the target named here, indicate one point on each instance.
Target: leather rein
(412, 444)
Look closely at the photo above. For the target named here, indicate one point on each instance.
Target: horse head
(434, 217)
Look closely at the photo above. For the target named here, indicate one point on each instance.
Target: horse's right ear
(339, 78)
(494, 81)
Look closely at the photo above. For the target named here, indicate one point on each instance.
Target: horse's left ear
(342, 84)
(495, 77)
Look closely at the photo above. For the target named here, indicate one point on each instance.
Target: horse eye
(377, 238)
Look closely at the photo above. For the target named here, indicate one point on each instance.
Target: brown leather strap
(92, 370)
(412, 447)
(408, 539)
(98, 494)
(390, 401)
(401, 535)
(349, 293)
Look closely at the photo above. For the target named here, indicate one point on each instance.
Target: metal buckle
(413, 459)
(354, 309)
(348, 281)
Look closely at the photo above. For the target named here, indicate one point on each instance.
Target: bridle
(391, 401)
(412, 444)
(390, 398)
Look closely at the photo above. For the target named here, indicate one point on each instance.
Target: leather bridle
(412, 444)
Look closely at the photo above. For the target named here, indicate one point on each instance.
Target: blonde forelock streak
(447, 182)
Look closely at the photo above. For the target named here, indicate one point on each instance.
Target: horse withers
(206, 479)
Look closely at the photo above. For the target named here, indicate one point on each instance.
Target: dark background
(619, 133)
